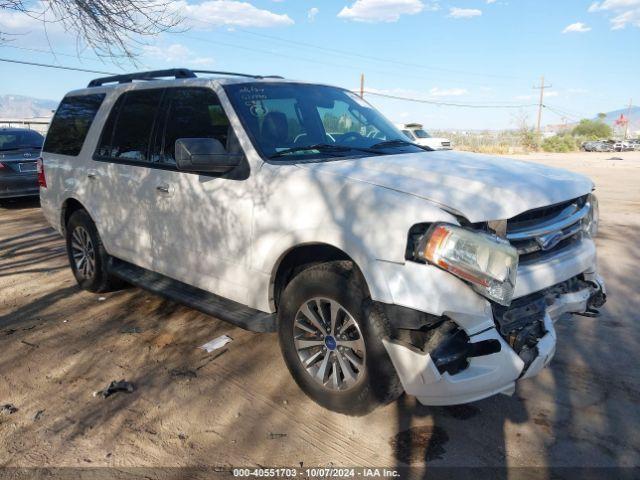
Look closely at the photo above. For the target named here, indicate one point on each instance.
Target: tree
(592, 129)
(526, 136)
(111, 28)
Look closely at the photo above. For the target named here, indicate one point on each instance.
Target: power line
(313, 61)
(570, 113)
(445, 104)
(356, 55)
(376, 94)
(60, 67)
(369, 57)
(52, 52)
(560, 113)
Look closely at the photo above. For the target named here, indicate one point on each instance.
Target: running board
(201, 300)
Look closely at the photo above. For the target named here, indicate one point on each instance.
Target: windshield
(289, 121)
(16, 139)
(409, 134)
(421, 134)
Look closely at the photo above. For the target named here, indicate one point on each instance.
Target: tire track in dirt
(316, 430)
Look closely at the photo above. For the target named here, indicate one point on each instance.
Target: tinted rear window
(17, 139)
(71, 123)
(127, 133)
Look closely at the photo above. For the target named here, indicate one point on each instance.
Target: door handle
(92, 174)
(164, 188)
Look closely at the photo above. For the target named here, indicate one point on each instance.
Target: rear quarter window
(71, 123)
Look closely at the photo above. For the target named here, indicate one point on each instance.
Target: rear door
(120, 176)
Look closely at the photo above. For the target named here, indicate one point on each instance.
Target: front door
(201, 226)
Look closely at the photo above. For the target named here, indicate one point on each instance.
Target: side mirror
(204, 155)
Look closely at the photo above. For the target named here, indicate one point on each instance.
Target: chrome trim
(547, 242)
(550, 226)
(553, 255)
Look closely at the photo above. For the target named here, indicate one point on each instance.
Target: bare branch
(113, 29)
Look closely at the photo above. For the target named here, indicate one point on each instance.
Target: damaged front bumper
(520, 344)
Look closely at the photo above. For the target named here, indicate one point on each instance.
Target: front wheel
(330, 337)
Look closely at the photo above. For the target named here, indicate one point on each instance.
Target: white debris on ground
(216, 343)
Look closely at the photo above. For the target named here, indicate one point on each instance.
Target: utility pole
(541, 104)
(362, 85)
(626, 126)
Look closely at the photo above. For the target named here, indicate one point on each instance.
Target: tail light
(2, 166)
(42, 181)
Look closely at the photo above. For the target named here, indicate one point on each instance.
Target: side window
(71, 123)
(192, 113)
(127, 132)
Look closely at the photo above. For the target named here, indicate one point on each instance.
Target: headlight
(590, 223)
(488, 263)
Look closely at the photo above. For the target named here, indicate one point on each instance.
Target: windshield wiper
(324, 148)
(399, 143)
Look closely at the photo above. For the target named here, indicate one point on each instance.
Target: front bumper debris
(523, 342)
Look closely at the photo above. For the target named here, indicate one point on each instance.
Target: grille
(545, 231)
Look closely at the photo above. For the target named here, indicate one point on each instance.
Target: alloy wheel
(329, 344)
(83, 252)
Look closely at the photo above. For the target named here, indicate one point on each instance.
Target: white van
(417, 134)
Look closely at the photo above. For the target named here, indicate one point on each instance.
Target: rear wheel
(88, 259)
(330, 336)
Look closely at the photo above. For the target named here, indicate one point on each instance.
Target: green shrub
(560, 143)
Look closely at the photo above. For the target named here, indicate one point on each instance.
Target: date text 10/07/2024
(321, 472)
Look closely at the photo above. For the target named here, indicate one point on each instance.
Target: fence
(40, 125)
(484, 142)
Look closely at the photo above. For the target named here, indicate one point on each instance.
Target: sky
(484, 53)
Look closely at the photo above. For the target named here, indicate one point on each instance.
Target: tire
(344, 387)
(91, 275)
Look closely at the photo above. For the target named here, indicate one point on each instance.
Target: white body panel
(228, 236)
(437, 143)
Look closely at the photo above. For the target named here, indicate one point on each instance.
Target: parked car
(417, 134)
(382, 265)
(19, 149)
(599, 146)
(622, 146)
(589, 146)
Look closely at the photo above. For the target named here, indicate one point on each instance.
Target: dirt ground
(239, 406)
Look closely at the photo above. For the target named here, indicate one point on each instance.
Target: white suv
(293, 207)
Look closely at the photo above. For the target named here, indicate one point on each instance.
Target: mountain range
(22, 107)
(634, 125)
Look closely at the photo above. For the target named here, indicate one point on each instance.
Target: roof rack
(172, 72)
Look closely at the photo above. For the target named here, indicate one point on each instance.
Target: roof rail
(150, 75)
(234, 74)
(172, 72)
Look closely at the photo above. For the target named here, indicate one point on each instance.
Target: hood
(479, 187)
